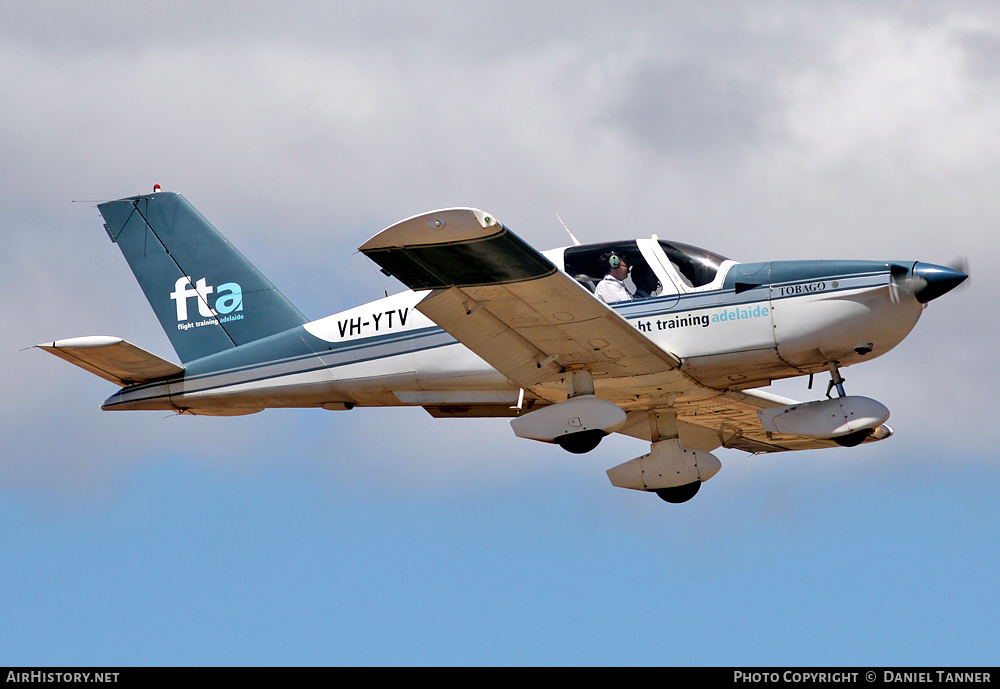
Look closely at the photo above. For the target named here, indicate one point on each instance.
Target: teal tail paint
(208, 297)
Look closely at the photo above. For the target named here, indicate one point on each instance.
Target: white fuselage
(387, 353)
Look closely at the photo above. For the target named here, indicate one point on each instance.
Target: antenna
(575, 240)
(384, 290)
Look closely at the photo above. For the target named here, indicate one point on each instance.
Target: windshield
(696, 267)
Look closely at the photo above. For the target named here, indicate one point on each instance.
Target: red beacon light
(156, 188)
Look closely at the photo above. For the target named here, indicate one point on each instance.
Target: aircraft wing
(113, 359)
(509, 304)
(730, 420)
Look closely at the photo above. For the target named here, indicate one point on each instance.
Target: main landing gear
(581, 442)
(671, 470)
(576, 425)
(679, 494)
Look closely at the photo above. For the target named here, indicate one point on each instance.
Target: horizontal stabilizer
(113, 359)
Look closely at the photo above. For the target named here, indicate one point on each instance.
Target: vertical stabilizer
(208, 297)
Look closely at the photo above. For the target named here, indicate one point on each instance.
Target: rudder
(206, 295)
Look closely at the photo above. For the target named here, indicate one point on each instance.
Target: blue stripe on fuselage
(298, 345)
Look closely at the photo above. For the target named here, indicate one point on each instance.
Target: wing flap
(113, 359)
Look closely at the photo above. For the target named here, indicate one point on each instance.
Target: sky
(760, 131)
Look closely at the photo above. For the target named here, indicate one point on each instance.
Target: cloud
(774, 131)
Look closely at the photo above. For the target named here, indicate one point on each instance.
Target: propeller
(926, 281)
(898, 279)
(961, 264)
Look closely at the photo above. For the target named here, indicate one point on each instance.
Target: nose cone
(930, 281)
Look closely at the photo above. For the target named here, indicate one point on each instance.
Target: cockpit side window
(587, 264)
(695, 266)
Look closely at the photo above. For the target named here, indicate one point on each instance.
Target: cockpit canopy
(650, 262)
(697, 267)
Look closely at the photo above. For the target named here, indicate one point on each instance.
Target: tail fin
(208, 297)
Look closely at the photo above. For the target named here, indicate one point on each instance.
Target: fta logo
(228, 298)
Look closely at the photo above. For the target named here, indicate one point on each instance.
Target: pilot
(612, 288)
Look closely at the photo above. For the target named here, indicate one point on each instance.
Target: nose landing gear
(836, 380)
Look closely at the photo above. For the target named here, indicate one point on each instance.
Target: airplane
(491, 327)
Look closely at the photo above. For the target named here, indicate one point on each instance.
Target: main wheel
(581, 442)
(679, 494)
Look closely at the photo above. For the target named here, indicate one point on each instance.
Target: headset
(614, 261)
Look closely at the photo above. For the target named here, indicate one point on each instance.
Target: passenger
(645, 280)
(612, 288)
